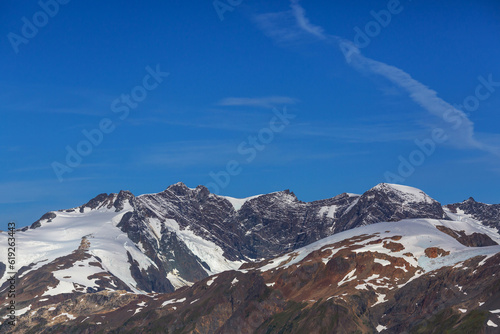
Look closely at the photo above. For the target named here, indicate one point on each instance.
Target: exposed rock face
(345, 284)
(387, 202)
(472, 240)
(452, 298)
(271, 224)
(488, 214)
(276, 264)
(45, 218)
(434, 252)
(170, 226)
(278, 222)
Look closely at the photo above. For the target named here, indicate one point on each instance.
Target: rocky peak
(488, 214)
(388, 202)
(402, 193)
(45, 218)
(179, 189)
(189, 232)
(98, 202)
(184, 193)
(286, 197)
(122, 198)
(108, 201)
(201, 193)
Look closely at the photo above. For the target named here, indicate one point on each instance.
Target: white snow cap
(237, 203)
(410, 194)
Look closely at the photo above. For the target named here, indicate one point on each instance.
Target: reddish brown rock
(434, 252)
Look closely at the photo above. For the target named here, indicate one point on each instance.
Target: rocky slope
(488, 214)
(186, 260)
(395, 277)
(181, 235)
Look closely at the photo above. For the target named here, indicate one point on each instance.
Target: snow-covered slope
(462, 221)
(417, 235)
(158, 242)
(363, 251)
(487, 214)
(238, 202)
(409, 194)
(64, 234)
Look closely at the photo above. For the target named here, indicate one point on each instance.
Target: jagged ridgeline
(184, 260)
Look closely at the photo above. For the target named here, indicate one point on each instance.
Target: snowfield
(410, 194)
(237, 203)
(64, 234)
(206, 250)
(417, 235)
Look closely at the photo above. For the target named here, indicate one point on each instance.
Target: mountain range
(391, 260)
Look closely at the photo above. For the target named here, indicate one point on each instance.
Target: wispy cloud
(261, 102)
(461, 136)
(290, 26)
(303, 22)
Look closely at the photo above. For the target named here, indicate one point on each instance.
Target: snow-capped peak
(409, 194)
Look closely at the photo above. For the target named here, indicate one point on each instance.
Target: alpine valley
(392, 260)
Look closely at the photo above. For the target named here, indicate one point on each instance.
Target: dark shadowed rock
(46, 217)
(471, 240)
(488, 214)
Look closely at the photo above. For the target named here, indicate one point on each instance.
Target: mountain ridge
(175, 228)
(181, 240)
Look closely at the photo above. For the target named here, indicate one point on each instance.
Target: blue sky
(356, 105)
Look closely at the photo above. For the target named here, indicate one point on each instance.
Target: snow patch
(210, 281)
(329, 211)
(237, 203)
(380, 299)
(417, 235)
(23, 310)
(382, 262)
(67, 315)
(347, 278)
(491, 324)
(173, 301)
(176, 280)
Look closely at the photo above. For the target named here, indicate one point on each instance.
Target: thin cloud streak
(461, 136)
(261, 102)
(303, 21)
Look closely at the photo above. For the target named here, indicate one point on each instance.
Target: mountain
(186, 260)
(392, 277)
(487, 214)
(181, 235)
